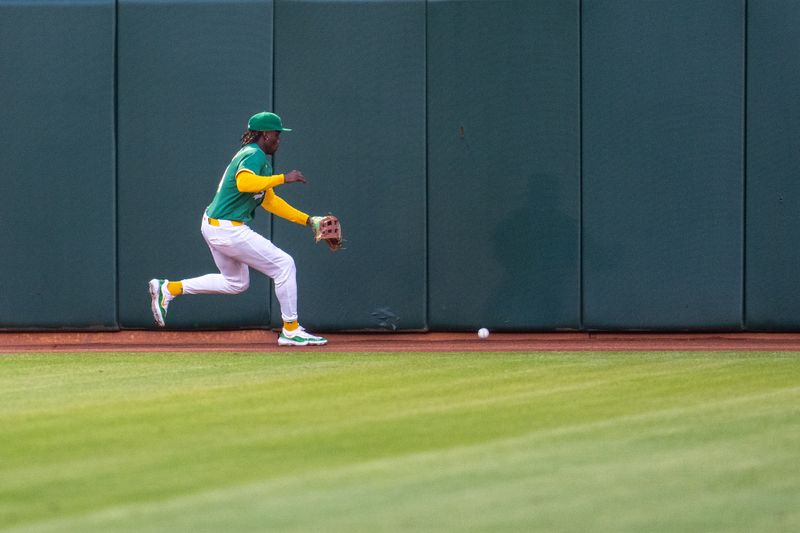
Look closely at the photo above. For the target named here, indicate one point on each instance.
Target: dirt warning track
(266, 341)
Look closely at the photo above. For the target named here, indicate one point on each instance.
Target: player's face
(272, 140)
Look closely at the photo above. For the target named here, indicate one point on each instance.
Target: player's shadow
(537, 248)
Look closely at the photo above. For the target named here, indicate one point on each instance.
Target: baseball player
(248, 183)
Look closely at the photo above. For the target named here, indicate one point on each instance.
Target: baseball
(483, 333)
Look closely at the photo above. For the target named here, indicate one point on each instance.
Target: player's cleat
(300, 337)
(160, 297)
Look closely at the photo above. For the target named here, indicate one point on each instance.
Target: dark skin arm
(293, 177)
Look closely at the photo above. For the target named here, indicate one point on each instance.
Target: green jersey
(229, 203)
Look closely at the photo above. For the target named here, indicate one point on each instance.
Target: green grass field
(400, 442)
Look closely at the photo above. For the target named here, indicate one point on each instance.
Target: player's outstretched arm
(278, 206)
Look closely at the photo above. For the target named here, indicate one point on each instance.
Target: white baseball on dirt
(483, 333)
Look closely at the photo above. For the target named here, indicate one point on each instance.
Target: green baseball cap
(266, 121)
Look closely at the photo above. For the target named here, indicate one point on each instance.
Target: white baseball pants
(235, 249)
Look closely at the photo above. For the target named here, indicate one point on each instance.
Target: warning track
(266, 341)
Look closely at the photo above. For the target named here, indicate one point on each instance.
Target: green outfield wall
(504, 164)
(772, 248)
(523, 165)
(663, 154)
(350, 77)
(57, 154)
(187, 72)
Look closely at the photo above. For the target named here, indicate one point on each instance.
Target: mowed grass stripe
(481, 487)
(392, 441)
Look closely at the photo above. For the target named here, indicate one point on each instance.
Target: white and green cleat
(300, 337)
(159, 300)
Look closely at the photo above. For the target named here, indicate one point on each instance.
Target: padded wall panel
(773, 165)
(350, 80)
(190, 75)
(503, 159)
(57, 155)
(663, 164)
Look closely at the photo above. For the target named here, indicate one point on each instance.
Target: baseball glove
(327, 228)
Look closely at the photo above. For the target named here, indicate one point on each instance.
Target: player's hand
(293, 177)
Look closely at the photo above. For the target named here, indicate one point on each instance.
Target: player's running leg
(261, 254)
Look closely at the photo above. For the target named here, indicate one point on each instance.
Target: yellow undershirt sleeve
(246, 181)
(278, 206)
